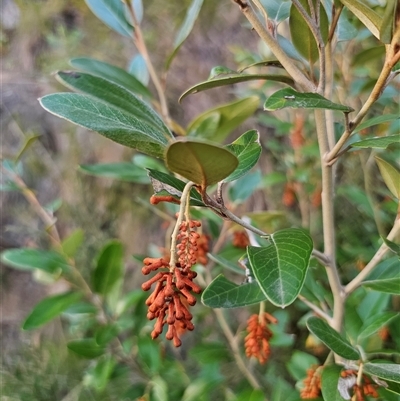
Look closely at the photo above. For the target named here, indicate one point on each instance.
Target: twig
(274, 46)
(380, 253)
(316, 309)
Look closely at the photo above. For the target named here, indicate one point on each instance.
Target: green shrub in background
(295, 267)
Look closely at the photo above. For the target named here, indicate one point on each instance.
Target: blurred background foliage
(39, 37)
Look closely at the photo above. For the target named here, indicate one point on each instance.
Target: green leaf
(187, 26)
(330, 382)
(49, 308)
(288, 97)
(387, 285)
(365, 14)
(388, 21)
(203, 163)
(377, 143)
(109, 267)
(376, 121)
(119, 171)
(138, 68)
(277, 10)
(173, 186)
(234, 79)
(224, 119)
(111, 73)
(72, 243)
(140, 130)
(31, 259)
(332, 339)
(281, 267)
(375, 323)
(113, 13)
(247, 149)
(105, 334)
(386, 371)
(264, 63)
(86, 347)
(392, 246)
(368, 55)
(222, 293)
(302, 37)
(390, 175)
(99, 376)
(159, 389)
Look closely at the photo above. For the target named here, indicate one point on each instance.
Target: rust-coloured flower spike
(256, 342)
(156, 199)
(312, 383)
(174, 287)
(367, 387)
(240, 239)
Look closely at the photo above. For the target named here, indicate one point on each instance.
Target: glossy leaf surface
(30, 259)
(113, 13)
(222, 120)
(109, 267)
(302, 37)
(201, 162)
(290, 98)
(390, 175)
(187, 26)
(134, 124)
(49, 308)
(247, 149)
(329, 383)
(234, 79)
(222, 293)
(119, 171)
(111, 73)
(377, 143)
(332, 339)
(281, 267)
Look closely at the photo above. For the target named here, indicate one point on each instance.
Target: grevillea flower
(256, 342)
(366, 388)
(174, 287)
(312, 383)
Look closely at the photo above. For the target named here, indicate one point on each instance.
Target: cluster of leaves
(118, 105)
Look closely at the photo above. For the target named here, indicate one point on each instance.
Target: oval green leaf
(111, 73)
(49, 308)
(386, 285)
(386, 371)
(222, 293)
(222, 120)
(113, 13)
(247, 149)
(86, 347)
(377, 143)
(31, 259)
(281, 267)
(376, 323)
(109, 120)
(119, 171)
(201, 162)
(330, 382)
(109, 267)
(390, 175)
(302, 37)
(332, 339)
(71, 244)
(288, 97)
(392, 246)
(235, 79)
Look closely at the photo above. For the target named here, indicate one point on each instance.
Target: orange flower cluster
(256, 342)
(156, 199)
(312, 384)
(169, 302)
(367, 388)
(240, 239)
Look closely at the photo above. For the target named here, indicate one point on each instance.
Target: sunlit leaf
(71, 244)
(288, 97)
(247, 149)
(187, 26)
(31, 259)
(390, 175)
(377, 143)
(234, 79)
(201, 162)
(332, 339)
(222, 293)
(113, 13)
(280, 268)
(109, 267)
(49, 308)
